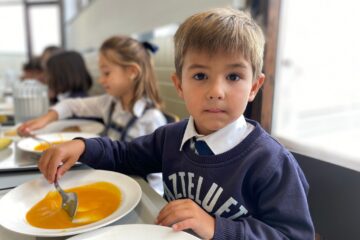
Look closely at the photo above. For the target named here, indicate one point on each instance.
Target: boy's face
(216, 88)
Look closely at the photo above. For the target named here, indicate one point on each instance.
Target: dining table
(18, 166)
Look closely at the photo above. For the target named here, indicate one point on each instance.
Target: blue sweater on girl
(255, 190)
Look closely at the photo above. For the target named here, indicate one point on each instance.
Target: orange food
(96, 201)
(44, 146)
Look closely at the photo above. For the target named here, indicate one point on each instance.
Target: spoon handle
(60, 190)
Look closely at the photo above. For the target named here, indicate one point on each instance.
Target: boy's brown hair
(221, 29)
(125, 51)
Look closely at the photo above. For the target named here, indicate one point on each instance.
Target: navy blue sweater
(255, 190)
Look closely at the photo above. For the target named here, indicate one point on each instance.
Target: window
(12, 29)
(12, 43)
(317, 90)
(16, 44)
(45, 27)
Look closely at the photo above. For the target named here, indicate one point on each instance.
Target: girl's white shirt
(99, 106)
(63, 96)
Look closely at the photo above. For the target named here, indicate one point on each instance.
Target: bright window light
(317, 91)
(12, 29)
(45, 27)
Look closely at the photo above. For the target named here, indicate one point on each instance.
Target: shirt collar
(221, 140)
(139, 107)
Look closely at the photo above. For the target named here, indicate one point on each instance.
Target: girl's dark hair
(66, 72)
(125, 51)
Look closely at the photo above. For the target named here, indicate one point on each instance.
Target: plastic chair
(171, 117)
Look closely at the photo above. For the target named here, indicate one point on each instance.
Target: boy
(238, 182)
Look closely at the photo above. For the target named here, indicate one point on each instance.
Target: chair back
(171, 117)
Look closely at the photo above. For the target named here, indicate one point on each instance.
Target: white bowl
(17, 202)
(28, 144)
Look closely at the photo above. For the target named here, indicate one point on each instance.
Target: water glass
(30, 100)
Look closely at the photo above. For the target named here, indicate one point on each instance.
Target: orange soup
(44, 146)
(96, 201)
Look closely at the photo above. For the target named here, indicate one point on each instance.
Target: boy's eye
(233, 77)
(200, 76)
(106, 73)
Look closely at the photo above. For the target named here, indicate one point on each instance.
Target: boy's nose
(216, 91)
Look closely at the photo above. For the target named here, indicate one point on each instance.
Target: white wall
(104, 18)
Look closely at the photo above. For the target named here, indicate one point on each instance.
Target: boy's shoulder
(259, 134)
(261, 141)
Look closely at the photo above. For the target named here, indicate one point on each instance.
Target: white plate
(135, 232)
(29, 144)
(16, 203)
(86, 126)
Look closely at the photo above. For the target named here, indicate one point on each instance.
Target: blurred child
(67, 76)
(47, 53)
(44, 57)
(32, 70)
(224, 176)
(132, 105)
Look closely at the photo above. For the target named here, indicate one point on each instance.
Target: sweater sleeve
(138, 157)
(282, 210)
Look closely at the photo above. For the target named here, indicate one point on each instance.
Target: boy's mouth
(214, 110)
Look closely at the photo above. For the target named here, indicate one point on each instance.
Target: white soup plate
(17, 202)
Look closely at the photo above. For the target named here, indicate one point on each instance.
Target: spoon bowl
(69, 200)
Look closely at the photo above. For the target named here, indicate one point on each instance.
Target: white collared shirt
(222, 140)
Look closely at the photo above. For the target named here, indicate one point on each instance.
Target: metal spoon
(69, 200)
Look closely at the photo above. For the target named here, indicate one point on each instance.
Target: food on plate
(96, 201)
(72, 129)
(44, 146)
(10, 133)
(4, 143)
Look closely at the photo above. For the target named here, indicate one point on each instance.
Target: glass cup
(30, 100)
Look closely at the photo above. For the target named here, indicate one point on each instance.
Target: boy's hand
(27, 127)
(65, 154)
(186, 214)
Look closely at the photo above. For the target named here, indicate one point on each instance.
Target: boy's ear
(256, 86)
(177, 83)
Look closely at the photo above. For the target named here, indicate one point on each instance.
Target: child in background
(132, 105)
(224, 176)
(47, 53)
(67, 76)
(32, 70)
(44, 57)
